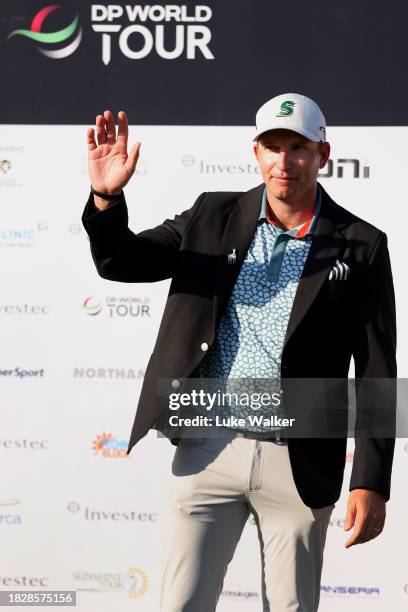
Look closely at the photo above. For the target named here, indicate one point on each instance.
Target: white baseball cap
(292, 112)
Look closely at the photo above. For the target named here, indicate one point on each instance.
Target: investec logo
(180, 23)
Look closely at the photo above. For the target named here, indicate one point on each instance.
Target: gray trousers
(213, 487)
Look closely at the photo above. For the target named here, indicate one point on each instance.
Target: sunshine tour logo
(72, 33)
(181, 24)
(135, 582)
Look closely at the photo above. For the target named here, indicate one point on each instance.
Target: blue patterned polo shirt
(251, 334)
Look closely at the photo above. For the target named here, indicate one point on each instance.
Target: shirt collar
(306, 228)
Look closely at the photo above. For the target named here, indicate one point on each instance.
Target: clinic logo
(109, 447)
(5, 166)
(286, 109)
(52, 39)
(91, 305)
(21, 237)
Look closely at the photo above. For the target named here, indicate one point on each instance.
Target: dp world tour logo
(91, 305)
(51, 39)
(5, 165)
(286, 109)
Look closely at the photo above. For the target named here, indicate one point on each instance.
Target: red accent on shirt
(303, 229)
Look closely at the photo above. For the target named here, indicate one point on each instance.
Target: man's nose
(283, 160)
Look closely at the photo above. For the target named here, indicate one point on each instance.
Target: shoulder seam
(376, 246)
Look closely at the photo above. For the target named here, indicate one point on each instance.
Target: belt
(277, 436)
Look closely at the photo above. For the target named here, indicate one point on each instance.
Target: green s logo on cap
(286, 109)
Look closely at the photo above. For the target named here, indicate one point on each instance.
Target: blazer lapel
(327, 244)
(238, 232)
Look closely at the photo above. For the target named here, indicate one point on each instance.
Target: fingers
(106, 130)
(133, 157)
(90, 139)
(366, 510)
(110, 127)
(351, 515)
(357, 535)
(100, 130)
(123, 130)
(353, 518)
(365, 530)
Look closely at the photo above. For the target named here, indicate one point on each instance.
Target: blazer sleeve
(375, 371)
(121, 255)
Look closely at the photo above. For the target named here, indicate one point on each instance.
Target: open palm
(110, 166)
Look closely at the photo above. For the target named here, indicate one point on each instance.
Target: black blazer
(329, 322)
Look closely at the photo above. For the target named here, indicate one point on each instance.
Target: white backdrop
(73, 352)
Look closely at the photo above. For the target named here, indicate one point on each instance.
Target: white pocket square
(340, 271)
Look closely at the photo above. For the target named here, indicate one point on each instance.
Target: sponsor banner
(8, 444)
(117, 307)
(108, 374)
(101, 515)
(108, 446)
(75, 500)
(134, 582)
(9, 514)
(217, 58)
(10, 166)
(20, 309)
(249, 596)
(24, 581)
(350, 591)
(21, 373)
(22, 236)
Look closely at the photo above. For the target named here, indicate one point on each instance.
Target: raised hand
(109, 164)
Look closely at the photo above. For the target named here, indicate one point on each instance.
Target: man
(275, 282)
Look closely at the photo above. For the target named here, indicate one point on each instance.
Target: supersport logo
(52, 38)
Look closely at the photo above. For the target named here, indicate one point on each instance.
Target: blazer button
(175, 383)
(204, 346)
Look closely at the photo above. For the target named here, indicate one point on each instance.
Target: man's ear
(256, 149)
(325, 154)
